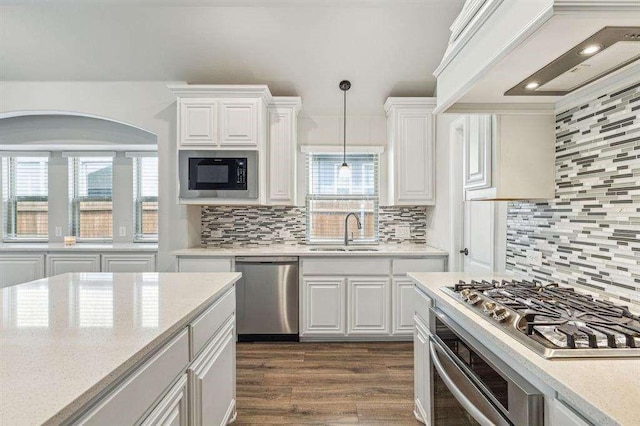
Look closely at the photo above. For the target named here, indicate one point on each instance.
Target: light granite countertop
(311, 250)
(66, 338)
(84, 247)
(607, 390)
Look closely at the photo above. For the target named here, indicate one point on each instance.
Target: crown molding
(286, 102)
(184, 90)
(422, 102)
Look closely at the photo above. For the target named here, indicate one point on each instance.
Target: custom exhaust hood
(525, 56)
(608, 50)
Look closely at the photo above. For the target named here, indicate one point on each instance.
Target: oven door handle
(463, 389)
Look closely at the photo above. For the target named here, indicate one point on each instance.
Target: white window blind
(90, 198)
(331, 197)
(25, 198)
(145, 198)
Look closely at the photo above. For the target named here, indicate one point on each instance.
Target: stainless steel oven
(218, 174)
(471, 386)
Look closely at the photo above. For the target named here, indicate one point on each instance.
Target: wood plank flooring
(325, 383)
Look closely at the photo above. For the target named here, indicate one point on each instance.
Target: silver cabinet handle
(461, 395)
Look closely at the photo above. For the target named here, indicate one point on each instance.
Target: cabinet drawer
(129, 401)
(341, 266)
(207, 324)
(422, 304)
(426, 264)
(204, 264)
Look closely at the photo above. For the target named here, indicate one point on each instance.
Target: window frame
(12, 200)
(375, 198)
(74, 202)
(138, 202)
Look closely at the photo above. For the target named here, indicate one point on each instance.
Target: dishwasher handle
(264, 259)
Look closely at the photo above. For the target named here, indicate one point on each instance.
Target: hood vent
(601, 54)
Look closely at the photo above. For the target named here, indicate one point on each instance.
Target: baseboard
(328, 339)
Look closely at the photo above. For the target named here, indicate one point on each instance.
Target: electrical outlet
(284, 234)
(403, 231)
(58, 231)
(216, 233)
(122, 231)
(534, 258)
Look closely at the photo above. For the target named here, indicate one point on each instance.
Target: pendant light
(345, 170)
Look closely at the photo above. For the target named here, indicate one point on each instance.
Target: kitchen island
(577, 391)
(102, 348)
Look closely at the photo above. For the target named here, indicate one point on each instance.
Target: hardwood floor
(325, 383)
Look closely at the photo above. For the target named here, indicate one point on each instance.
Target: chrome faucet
(346, 226)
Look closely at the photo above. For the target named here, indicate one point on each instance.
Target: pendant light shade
(345, 170)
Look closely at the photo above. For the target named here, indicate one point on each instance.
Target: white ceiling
(297, 47)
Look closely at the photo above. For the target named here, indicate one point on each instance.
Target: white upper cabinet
(522, 165)
(411, 139)
(282, 143)
(198, 122)
(221, 116)
(477, 152)
(239, 122)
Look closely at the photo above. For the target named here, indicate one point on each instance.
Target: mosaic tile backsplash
(254, 226)
(590, 234)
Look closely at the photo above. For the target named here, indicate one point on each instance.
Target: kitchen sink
(344, 249)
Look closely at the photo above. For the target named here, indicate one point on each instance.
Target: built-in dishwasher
(267, 299)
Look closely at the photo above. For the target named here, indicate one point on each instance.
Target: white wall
(439, 217)
(149, 105)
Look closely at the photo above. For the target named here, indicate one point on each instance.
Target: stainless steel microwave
(218, 174)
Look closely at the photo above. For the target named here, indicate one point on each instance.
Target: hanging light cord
(344, 150)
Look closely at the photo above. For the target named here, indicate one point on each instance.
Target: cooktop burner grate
(559, 319)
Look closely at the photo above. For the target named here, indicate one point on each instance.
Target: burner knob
(474, 298)
(501, 314)
(488, 307)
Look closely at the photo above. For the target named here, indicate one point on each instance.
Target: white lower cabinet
(128, 263)
(173, 409)
(368, 305)
(403, 306)
(212, 380)
(205, 264)
(178, 385)
(323, 301)
(562, 415)
(20, 268)
(62, 263)
(422, 371)
(357, 298)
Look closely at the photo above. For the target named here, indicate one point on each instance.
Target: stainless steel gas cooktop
(554, 321)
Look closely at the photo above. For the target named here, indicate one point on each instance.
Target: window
(331, 197)
(25, 198)
(145, 198)
(90, 198)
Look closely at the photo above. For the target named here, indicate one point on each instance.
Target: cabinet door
(238, 122)
(414, 152)
(20, 268)
(323, 305)
(282, 156)
(128, 263)
(204, 264)
(403, 308)
(62, 263)
(212, 380)
(561, 414)
(368, 305)
(421, 371)
(477, 152)
(198, 122)
(172, 410)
